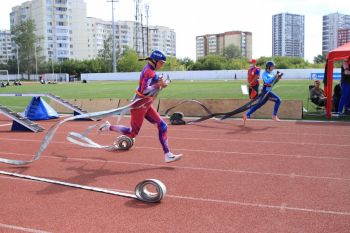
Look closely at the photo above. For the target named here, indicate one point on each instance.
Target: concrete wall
(289, 109)
(201, 75)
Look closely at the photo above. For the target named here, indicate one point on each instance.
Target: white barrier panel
(58, 77)
(200, 75)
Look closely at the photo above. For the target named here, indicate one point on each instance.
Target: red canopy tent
(340, 53)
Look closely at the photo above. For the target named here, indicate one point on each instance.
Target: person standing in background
(253, 79)
(345, 85)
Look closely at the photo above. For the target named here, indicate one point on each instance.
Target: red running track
(266, 177)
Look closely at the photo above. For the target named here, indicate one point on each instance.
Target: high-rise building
(343, 36)
(216, 43)
(58, 24)
(331, 23)
(157, 37)
(288, 35)
(6, 47)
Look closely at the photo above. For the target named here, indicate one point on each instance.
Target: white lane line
(13, 227)
(288, 175)
(204, 151)
(257, 141)
(253, 131)
(282, 207)
(3, 125)
(216, 130)
(298, 156)
(256, 131)
(250, 141)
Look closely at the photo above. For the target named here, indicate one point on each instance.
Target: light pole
(53, 70)
(17, 63)
(113, 38)
(36, 61)
(147, 12)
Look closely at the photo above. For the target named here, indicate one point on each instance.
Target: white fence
(201, 75)
(174, 75)
(36, 77)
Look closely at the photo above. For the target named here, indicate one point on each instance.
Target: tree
(173, 64)
(232, 51)
(129, 62)
(106, 53)
(25, 40)
(210, 62)
(187, 62)
(319, 59)
(237, 64)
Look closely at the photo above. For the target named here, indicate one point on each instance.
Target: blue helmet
(269, 64)
(158, 55)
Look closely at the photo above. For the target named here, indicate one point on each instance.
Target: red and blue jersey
(148, 82)
(252, 72)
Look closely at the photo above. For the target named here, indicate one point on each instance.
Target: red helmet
(252, 61)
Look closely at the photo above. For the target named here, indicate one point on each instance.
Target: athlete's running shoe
(170, 157)
(105, 126)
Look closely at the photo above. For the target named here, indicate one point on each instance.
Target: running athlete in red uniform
(253, 79)
(149, 85)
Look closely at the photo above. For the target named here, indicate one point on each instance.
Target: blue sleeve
(257, 71)
(155, 80)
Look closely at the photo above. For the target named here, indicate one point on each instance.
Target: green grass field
(286, 89)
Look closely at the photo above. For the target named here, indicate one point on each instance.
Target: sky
(191, 18)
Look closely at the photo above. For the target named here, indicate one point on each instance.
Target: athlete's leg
(153, 117)
(250, 89)
(120, 129)
(137, 115)
(345, 89)
(260, 103)
(253, 91)
(347, 97)
(275, 98)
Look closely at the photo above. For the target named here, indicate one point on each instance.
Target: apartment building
(331, 23)
(6, 47)
(216, 43)
(153, 37)
(343, 36)
(58, 25)
(98, 31)
(66, 33)
(288, 35)
(159, 37)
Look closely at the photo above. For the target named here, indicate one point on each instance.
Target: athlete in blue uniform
(269, 77)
